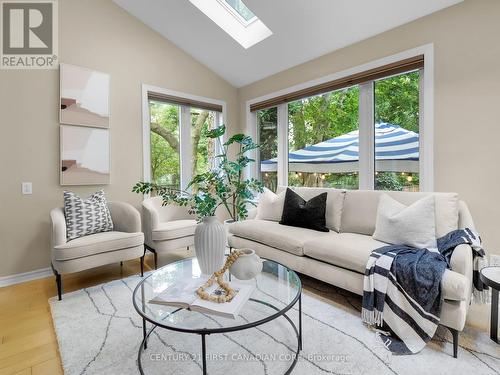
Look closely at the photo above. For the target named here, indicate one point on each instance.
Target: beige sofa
(339, 257)
(124, 242)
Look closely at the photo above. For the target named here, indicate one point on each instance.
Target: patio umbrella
(396, 149)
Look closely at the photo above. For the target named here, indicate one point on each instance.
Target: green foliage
(397, 101)
(221, 186)
(165, 160)
(388, 181)
(316, 119)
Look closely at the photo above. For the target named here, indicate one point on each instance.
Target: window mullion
(283, 144)
(366, 136)
(185, 146)
(254, 170)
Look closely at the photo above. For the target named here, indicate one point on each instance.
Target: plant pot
(210, 244)
(247, 266)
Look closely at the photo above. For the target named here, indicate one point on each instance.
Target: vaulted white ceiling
(302, 30)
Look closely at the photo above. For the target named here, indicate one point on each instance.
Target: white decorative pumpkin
(247, 266)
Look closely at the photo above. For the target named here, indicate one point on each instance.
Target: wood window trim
(402, 66)
(171, 99)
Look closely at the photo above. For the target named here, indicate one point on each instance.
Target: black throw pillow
(299, 213)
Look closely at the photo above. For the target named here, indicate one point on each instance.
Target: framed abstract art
(85, 156)
(84, 97)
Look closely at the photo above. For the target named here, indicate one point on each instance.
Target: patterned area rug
(99, 332)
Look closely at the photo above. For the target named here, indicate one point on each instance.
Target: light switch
(27, 188)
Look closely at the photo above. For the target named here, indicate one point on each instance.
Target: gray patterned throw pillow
(86, 216)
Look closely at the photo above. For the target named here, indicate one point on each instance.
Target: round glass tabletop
(275, 290)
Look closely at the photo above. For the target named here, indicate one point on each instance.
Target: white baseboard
(23, 277)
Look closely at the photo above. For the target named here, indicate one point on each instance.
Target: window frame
(184, 130)
(366, 120)
(237, 15)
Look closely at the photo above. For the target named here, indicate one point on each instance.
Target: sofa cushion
(359, 212)
(96, 244)
(271, 233)
(173, 229)
(270, 205)
(334, 202)
(412, 225)
(298, 212)
(346, 250)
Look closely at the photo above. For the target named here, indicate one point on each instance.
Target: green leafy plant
(223, 186)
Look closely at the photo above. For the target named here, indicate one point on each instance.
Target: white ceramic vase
(247, 266)
(210, 245)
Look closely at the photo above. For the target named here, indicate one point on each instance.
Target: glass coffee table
(278, 289)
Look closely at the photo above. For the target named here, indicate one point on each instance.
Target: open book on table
(183, 294)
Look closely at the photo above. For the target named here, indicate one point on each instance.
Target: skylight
(241, 9)
(236, 19)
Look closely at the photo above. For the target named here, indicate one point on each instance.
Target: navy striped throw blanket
(402, 288)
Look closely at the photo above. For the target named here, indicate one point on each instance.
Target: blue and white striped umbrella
(396, 149)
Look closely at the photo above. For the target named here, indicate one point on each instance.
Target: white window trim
(426, 118)
(184, 130)
(246, 34)
(282, 144)
(238, 16)
(366, 136)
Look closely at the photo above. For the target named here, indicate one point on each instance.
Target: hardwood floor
(28, 343)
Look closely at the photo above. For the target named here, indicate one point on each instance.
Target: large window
(165, 145)
(397, 132)
(322, 134)
(268, 139)
(178, 146)
(361, 131)
(203, 148)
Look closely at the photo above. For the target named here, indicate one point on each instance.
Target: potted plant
(225, 186)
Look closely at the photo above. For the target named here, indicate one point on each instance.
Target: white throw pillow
(270, 206)
(413, 225)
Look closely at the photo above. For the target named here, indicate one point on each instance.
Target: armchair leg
(142, 262)
(146, 247)
(58, 282)
(59, 286)
(454, 333)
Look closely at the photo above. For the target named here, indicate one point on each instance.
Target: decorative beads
(218, 277)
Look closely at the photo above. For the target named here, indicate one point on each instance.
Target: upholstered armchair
(166, 228)
(124, 242)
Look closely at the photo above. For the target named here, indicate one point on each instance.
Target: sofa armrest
(125, 217)
(455, 286)
(58, 220)
(461, 262)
